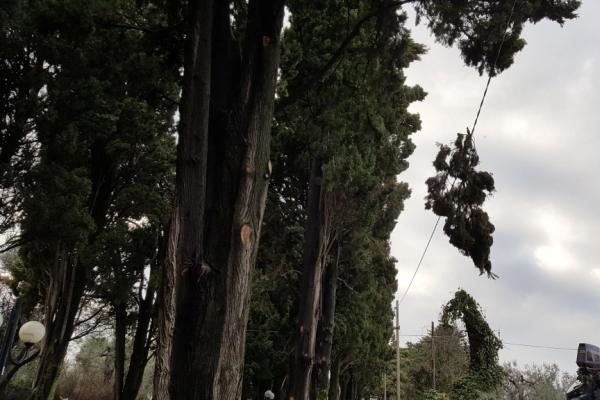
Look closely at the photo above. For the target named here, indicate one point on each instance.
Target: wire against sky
(535, 346)
(487, 86)
(420, 261)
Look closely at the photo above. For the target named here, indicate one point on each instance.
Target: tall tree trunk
(351, 389)
(184, 250)
(325, 329)
(144, 331)
(192, 148)
(356, 390)
(212, 273)
(310, 295)
(166, 316)
(334, 386)
(63, 295)
(120, 310)
(345, 387)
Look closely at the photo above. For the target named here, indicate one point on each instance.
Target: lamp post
(30, 333)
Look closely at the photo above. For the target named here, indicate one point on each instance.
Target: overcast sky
(538, 135)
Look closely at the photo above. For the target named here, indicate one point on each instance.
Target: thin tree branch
(12, 244)
(92, 316)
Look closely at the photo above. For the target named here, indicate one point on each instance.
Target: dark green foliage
(21, 77)
(364, 316)
(356, 118)
(433, 395)
(105, 154)
(101, 123)
(457, 193)
(90, 173)
(478, 27)
(485, 374)
(274, 289)
(356, 121)
(88, 90)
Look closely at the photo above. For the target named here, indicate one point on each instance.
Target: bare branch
(92, 316)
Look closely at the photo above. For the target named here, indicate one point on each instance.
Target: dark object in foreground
(588, 356)
(587, 386)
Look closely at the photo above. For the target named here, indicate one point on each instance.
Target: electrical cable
(490, 76)
(539, 347)
(507, 343)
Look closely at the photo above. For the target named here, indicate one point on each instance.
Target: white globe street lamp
(269, 395)
(32, 332)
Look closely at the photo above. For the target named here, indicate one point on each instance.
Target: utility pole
(432, 355)
(397, 351)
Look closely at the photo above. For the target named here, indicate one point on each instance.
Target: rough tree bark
(166, 317)
(184, 249)
(325, 330)
(309, 302)
(227, 106)
(63, 295)
(191, 195)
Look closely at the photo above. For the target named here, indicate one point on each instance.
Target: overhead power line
(420, 261)
(487, 86)
(504, 343)
(539, 347)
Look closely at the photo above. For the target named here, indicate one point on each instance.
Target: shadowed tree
(103, 150)
(223, 169)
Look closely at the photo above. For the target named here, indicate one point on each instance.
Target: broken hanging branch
(457, 192)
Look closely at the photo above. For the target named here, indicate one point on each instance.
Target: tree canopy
(153, 152)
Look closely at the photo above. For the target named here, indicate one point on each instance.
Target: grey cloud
(539, 135)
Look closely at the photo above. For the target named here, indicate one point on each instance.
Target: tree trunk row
(127, 386)
(310, 295)
(311, 361)
(223, 170)
(325, 330)
(63, 295)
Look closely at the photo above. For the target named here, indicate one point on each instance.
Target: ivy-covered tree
(485, 374)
